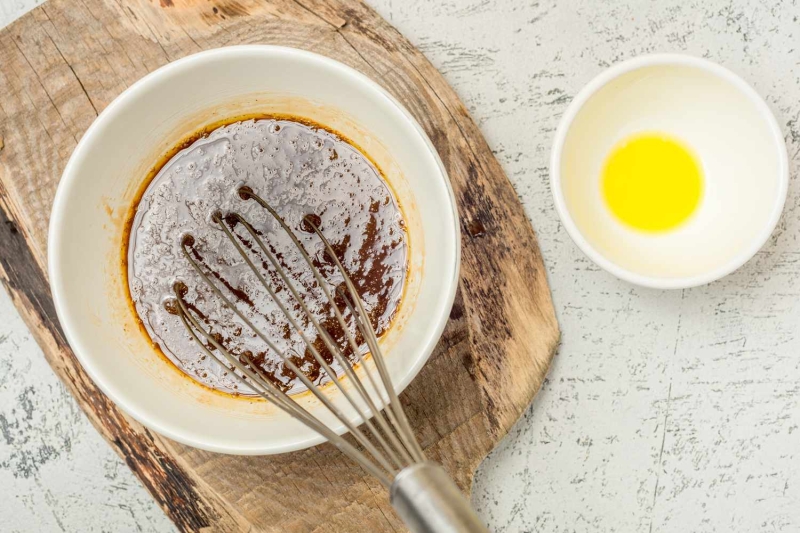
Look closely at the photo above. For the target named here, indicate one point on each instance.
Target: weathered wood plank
(64, 62)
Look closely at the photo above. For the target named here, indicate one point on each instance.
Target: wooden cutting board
(65, 61)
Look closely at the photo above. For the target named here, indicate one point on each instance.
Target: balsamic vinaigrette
(307, 174)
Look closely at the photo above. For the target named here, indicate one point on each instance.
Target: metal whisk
(423, 495)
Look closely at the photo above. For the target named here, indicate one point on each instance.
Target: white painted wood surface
(664, 411)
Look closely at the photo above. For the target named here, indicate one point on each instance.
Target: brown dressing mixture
(300, 170)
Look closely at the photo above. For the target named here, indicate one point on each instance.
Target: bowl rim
(650, 60)
(59, 212)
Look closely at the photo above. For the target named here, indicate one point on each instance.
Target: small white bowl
(109, 166)
(729, 128)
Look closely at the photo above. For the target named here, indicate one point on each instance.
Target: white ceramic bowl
(725, 123)
(110, 165)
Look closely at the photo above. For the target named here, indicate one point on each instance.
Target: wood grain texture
(65, 61)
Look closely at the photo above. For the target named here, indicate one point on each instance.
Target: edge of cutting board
(66, 60)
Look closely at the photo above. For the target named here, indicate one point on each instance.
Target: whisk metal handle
(428, 501)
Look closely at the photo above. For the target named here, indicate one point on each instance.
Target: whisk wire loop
(372, 341)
